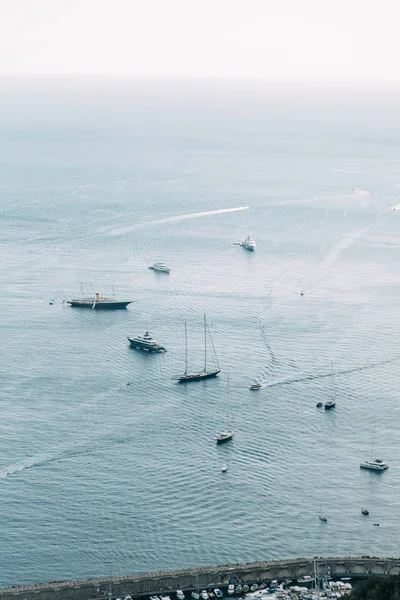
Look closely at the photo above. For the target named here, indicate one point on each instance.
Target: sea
(107, 465)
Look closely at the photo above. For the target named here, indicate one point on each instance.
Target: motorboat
(146, 342)
(253, 587)
(204, 595)
(165, 597)
(374, 465)
(255, 386)
(319, 404)
(323, 518)
(195, 595)
(249, 244)
(364, 511)
(154, 598)
(245, 588)
(238, 589)
(224, 436)
(231, 588)
(224, 468)
(218, 593)
(180, 595)
(160, 267)
(330, 404)
(305, 579)
(210, 594)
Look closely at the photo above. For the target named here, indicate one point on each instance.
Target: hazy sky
(271, 39)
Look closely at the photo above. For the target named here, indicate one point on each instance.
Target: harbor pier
(204, 577)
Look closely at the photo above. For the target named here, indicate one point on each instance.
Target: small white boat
(255, 386)
(249, 244)
(154, 598)
(195, 595)
(180, 595)
(231, 588)
(160, 267)
(204, 594)
(305, 579)
(218, 593)
(224, 468)
(374, 465)
(253, 587)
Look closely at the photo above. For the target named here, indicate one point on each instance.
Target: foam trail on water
(129, 228)
(322, 375)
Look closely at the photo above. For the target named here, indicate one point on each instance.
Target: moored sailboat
(204, 374)
(227, 434)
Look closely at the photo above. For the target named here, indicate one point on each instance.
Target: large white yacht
(249, 243)
(146, 342)
(374, 465)
(160, 267)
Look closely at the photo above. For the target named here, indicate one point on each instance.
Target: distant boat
(255, 386)
(332, 402)
(319, 404)
(374, 464)
(98, 302)
(364, 511)
(160, 267)
(180, 595)
(204, 374)
(227, 434)
(224, 468)
(249, 244)
(146, 342)
(195, 595)
(322, 517)
(305, 579)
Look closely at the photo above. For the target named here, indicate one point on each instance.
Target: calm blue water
(99, 180)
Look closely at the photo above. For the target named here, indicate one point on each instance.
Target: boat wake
(334, 253)
(129, 228)
(322, 375)
(44, 458)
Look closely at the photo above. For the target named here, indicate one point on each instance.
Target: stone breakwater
(203, 577)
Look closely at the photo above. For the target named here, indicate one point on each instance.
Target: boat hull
(196, 376)
(137, 346)
(99, 305)
(373, 468)
(224, 439)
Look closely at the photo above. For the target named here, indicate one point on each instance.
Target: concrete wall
(217, 576)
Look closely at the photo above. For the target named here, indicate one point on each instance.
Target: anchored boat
(204, 374)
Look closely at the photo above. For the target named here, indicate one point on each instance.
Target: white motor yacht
(160, 267)
(204, 594)
(146, 342)
(374, 465)
(249, 243)
(180, 595)
(195, 595)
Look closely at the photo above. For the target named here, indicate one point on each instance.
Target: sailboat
(204, 374)
(322, 517)
(374, 464)
(332, 402)
(227, 434)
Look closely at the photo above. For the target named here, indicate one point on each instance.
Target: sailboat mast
(205, 344)
(227, 408)
(333, 381)
(186, 354)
